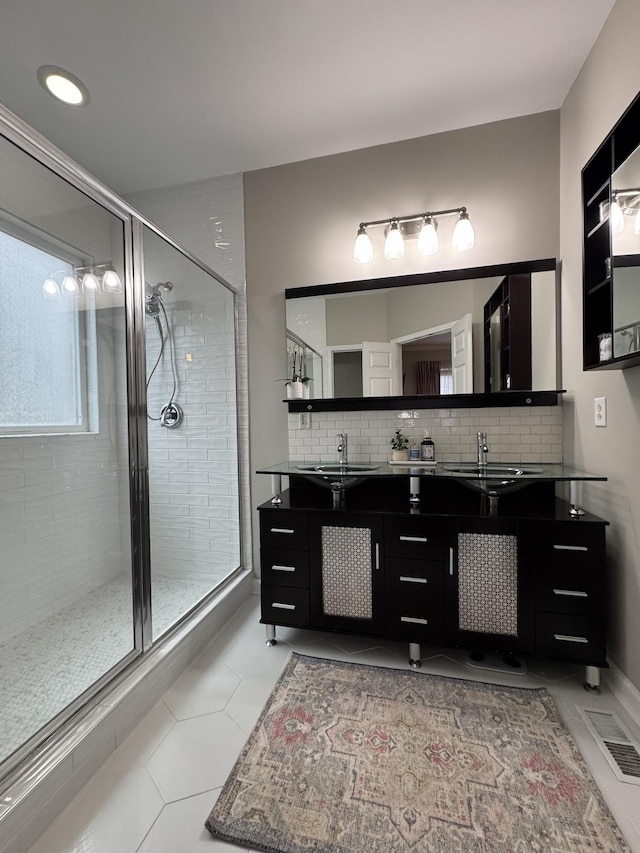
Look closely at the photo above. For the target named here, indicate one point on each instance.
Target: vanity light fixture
(363, 247)
(424, 226)
(90, 278)
(393, 244)
(63, 85)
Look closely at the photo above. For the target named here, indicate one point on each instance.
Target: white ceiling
(189, 89)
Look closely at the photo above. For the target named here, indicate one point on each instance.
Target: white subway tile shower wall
(60, 519)
(519, 434)
(193, 510)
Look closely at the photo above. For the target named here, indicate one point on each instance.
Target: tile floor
(155, 792)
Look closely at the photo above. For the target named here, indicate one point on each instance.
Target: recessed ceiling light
(63, 85)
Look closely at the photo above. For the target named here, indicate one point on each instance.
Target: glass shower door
(65, 576)
(191, 429)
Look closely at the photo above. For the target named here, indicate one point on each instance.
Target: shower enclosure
(119, 509)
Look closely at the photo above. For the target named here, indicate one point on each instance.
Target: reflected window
(44, 343)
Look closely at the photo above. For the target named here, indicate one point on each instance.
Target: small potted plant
(297, 384)
(399, 447)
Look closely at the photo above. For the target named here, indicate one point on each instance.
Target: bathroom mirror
(432, 334)
(625, 236)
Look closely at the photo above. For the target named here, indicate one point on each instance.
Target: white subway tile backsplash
(514, 434)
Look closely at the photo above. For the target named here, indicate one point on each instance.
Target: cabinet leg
(271, 635)
(592, 679)
(415, 655)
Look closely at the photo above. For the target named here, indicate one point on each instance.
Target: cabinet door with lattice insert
(346, 573)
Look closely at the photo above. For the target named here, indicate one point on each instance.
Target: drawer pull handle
(282, 530)
(451, 560)
(414, 620)
(576, 593)
(277, 605)
(408, 579)
(570, 548)
(283, 568)
(377, 556)
(413, 539)
(568, 638)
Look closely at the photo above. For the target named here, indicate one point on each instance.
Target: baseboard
(624, 691)
(43, 787)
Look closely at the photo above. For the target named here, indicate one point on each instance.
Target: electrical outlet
(600, 411)
(304, 420)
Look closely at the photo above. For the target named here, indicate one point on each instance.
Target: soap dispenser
(427, 448)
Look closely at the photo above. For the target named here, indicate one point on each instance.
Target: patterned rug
(348, 758)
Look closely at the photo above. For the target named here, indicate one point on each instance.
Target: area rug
(348, 758)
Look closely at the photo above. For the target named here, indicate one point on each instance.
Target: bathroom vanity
(492, 562)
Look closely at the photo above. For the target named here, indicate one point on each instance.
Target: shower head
(154, 296)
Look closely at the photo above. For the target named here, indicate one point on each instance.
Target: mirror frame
(448, 401)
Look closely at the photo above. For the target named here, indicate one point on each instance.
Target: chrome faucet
(343, 450)
(482, 449)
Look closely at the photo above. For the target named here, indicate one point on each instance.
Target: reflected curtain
(427, 377)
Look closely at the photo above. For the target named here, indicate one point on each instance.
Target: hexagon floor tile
(184, 749)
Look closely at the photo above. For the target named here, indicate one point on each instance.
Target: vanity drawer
(406, 579)
(283, 529)
(577, 638)
(566, 546)
(570, 590)
(282, 605)
(284, 567)
(414, 538)
(418, 619)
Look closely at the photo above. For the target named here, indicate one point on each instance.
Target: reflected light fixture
(424, 226)
(90, 283)
(63, 85)
(616, 217)
(111, 281)
(93, 278)
(70, 286)
(50, 289)
(624, 202)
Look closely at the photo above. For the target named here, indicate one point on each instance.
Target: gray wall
(600, 94)
(301, 221)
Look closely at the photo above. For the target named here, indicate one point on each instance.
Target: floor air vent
(618, 747)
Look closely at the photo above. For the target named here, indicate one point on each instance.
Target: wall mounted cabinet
(611, 248)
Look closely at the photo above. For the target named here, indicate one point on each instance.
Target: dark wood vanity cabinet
(523, 586)
(417, 555)
(567, 561)
(284, 552)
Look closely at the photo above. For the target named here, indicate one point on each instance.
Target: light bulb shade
(50, 289)
(363, 247)
(70, 286)
(428, 237)
(111, 282)
(90, 283)
(394, 244)
(463, 236)
(636, 223)
(616, 218)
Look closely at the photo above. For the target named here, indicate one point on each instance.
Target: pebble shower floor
(47, 666)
